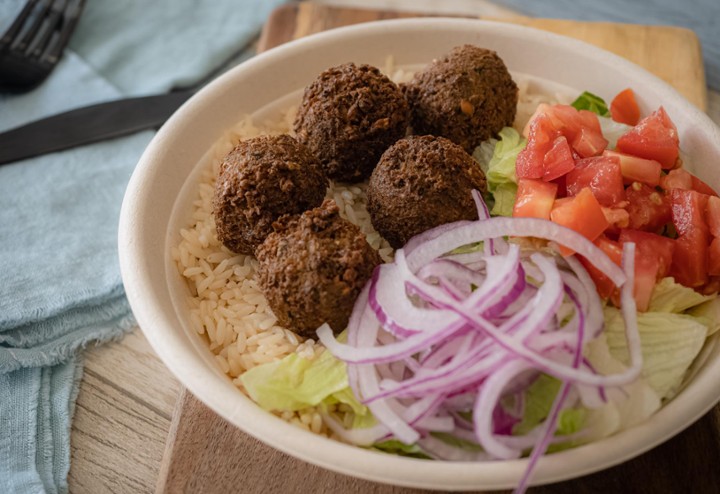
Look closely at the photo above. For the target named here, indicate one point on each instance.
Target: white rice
(227, 307)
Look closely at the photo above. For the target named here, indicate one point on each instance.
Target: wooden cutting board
(206, 454)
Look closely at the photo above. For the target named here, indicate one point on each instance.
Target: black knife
(89, 124)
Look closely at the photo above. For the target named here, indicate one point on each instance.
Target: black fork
(34, 42)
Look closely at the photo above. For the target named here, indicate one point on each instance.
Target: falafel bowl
(398, 314)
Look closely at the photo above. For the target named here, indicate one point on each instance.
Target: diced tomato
(654, 137)
(562, 187)
(588, 143)
(624, 108)
(602, 175)
(712, 287)
(714, 257)
(688, 210)
(581, 130)
(583, 214)
(636, 169)
(651, 246)
(618, 219)
(690, 260)
(558, 160)
(649, 210)
(605, 287)
(540, 134)
(653, 258)
(712, 215)
(645, 279)
(677, 179)
(534, 198)
(702, 187)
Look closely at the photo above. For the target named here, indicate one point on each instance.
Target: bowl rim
(351, 460)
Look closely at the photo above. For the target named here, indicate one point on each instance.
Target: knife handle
(89, 124)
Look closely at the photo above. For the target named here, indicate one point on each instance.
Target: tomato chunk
(712, 215)
(688, 210)
(617, 217)
(657, 248)
(653, 258)
(583, 214)
(558, 160)
(649, 210)
(636, 169)
(655, 138)
(580, 129)
(714, 257)
(534, 198)
(624, 108)
(588, 143)
(677, 179)
(701, 186)
(605, 287)
(602, 175)
(540, 134)
(690, 260)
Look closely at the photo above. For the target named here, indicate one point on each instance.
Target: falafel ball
(260, 180)
(348, 116)
(467, 96)
(422, 182)
(313, 267)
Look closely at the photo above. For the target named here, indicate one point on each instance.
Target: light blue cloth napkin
(60, 286)
(702, 16)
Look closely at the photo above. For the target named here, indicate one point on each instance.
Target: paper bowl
(157, 205)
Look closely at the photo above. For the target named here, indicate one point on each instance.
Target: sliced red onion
(441, 450)
(433, 336)
(464, 234)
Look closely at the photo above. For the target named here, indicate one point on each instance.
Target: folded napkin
(702, 16)
(60, 287)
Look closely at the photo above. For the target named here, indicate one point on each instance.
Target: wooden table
(124, 411)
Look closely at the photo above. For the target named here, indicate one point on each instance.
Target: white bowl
(156, 206)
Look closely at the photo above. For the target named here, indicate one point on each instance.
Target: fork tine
(37, 45)
(11, 32)
(59, 39)
(30, 26)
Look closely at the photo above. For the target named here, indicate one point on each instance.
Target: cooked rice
(227, 307)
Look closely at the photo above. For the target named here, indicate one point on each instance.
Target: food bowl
(158, 203)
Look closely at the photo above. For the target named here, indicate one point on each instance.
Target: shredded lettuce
(592, 102)
(295, 382)
(625, 406)
(395, 447)
(539, 398)
(669, 296)
(708, 313)
(504, 196)
(497, 159)
(501, 168)
(670, 342)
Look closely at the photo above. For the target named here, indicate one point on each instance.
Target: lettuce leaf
(539, 399)
(592, 102)
(395, 447)
(497, 159)
(625, 406)
(501, 168)
(294, 383)
(504, 196)
(670, 342)
(669, 296)
(708, 313)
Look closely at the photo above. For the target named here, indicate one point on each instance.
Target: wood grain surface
(125, 407)
(671, 53)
